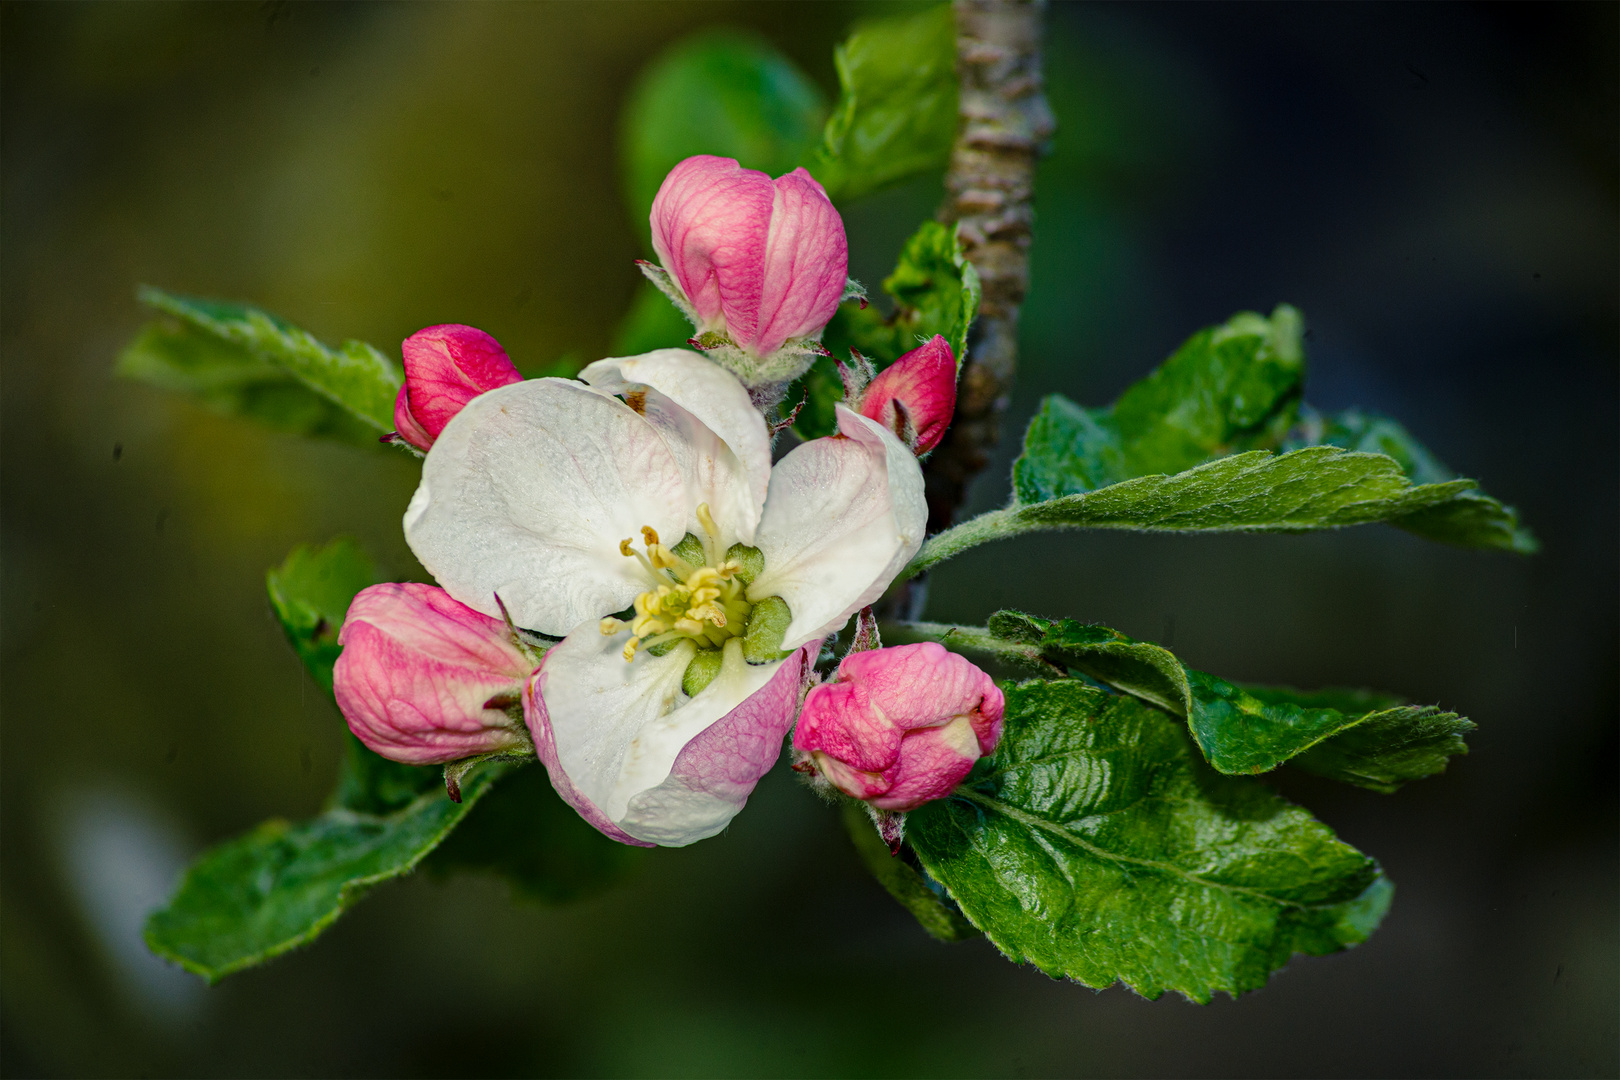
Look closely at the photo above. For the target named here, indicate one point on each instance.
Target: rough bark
(1005, 121)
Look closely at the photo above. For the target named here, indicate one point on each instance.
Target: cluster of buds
(759, 266)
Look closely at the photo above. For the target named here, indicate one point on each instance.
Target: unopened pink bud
(446, 367)
(426, 680)
(900, 726)
(915, 396)
(760, 260)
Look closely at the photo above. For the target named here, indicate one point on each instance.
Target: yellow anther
(624, 547)
(630, 649)
(650, 536)
(610, 626)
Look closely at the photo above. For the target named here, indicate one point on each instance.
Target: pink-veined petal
(806, 267)
(710, 223)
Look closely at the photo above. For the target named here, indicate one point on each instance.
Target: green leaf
(228, 379)
(525, 833)
(1470, 520)
(255, 897)
(228, 352)
(1387, 745)
(935, 291)
(1319, 487)
(896, 113)
(1097, 845)
(1371, 740)
(899, 879)
(1229, 388)
(723, 92)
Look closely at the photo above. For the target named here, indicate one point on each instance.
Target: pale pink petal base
(712, 776)
(717, 771)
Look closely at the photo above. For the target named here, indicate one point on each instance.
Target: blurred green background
(1435, 187)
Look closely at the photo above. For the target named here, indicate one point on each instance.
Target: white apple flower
(560, 497)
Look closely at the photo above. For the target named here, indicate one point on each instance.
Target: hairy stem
(989, 184)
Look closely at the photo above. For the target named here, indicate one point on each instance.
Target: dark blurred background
(1434, 186)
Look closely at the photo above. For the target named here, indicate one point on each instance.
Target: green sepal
(701, 671)
(1371, 740)
(750, 559)
(1096, 844)
(896, 114)
(243, 360)
(938, 916)
(767, 626)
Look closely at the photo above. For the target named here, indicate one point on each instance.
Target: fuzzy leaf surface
(1359, 737)
(896, 114)
(1229, 392)
(937, 916)
(1096, 844)
(354, 377)
(1472, 519)
(227, 378)
(1228, 388)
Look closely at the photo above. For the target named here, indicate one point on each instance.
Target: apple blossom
(758, 265)
(915, 396)
(426, 680)
(446, 367)
(656, 725)
(901, 726)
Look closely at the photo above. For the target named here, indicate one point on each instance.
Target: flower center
(696, 595)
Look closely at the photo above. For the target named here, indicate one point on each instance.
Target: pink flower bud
(915, 396)
(761, 260)
(424, 679)
(446, 367)
(900, 726)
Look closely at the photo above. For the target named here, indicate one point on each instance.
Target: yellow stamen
(704, 604)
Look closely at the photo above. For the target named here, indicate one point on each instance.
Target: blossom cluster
(630, 588)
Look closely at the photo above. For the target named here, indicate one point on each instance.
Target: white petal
(714, 430)
(844, 516)
(619, 727)
(528, 492)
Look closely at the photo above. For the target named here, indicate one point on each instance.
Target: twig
(1005, 123)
